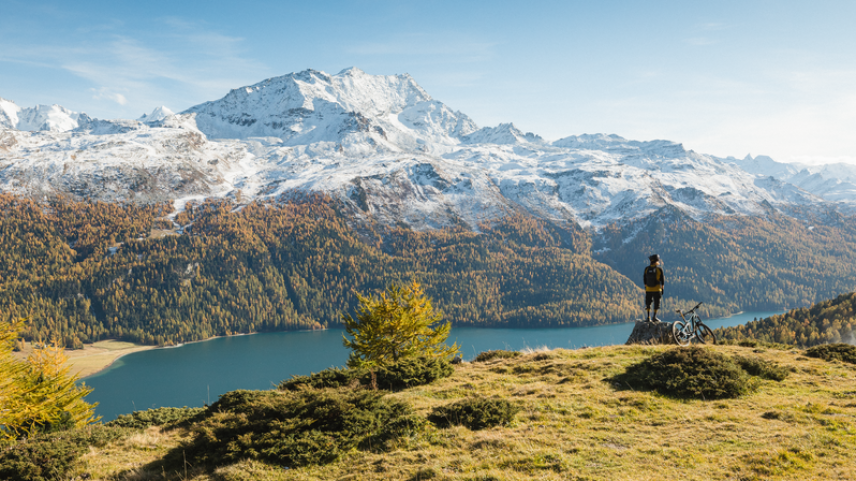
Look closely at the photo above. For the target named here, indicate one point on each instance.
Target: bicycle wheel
(704, 334)
(681, 334)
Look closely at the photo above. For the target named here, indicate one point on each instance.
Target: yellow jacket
(660, 277)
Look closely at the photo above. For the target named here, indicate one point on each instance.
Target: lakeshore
(93, 358)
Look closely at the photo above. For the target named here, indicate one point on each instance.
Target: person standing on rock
(655, 283)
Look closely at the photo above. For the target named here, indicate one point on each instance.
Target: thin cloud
(103, 93)
(134, 70)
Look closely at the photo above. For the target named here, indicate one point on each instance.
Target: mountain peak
(351, 71)
(41, 117)
(159, 113)
(590, 140)
(312, 106)
(501, 134)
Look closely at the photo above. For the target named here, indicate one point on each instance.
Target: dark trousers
(655, 297)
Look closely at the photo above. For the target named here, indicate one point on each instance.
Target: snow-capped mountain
(832, 182)
(42, 117)
(310, 107)
(159, 113)
(502, 134)
(382, 145)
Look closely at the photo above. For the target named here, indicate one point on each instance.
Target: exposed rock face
(651, 333)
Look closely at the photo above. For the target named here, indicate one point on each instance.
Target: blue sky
(725, 78)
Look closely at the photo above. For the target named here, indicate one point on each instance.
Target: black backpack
(651, 277)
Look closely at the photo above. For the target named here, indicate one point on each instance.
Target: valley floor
(577, 423)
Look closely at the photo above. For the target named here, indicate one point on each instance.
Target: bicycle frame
(691, 328)
(692, 313)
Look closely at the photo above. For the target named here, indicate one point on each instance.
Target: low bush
(408, 372)
(497, 354)
(334, 377)
(833, 352)
(690, 372)
(292, 429)
(756, 366)
(158, 417)
(53, 456)
(475, 413)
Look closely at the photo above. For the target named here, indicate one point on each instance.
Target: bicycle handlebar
(691, 310)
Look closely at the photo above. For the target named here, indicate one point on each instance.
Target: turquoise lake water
(196, 374)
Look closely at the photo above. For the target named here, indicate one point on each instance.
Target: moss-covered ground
(575, 423)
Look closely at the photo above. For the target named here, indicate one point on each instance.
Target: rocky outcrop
(651, 333)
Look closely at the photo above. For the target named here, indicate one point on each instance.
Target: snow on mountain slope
(501, 134)
(8, 114)
(383, 146)
(831, 182)
(148, 165)
(763, 165)
(159, 113)
(654, 149)
(390, 112)
(40, 117)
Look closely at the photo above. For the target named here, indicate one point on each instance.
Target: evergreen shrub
(158, 417)
(833, 352)
(408, 372)
(690, 372)
(497, 354)
(475, 413)
(755, 366)
(291, 429)
(53, 456)
(333, 377)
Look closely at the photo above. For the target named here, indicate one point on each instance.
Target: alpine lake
(196, 374)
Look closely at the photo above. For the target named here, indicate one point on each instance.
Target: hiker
(655, 281)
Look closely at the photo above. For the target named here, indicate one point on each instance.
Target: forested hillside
(740, 263)
(88, 271)
(830, 321)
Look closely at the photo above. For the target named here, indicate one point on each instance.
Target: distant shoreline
(97, 366)
(93, 358)
(93, 367)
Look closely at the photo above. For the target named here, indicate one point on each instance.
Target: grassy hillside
(575, 421)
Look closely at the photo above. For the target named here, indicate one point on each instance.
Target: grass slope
(575, 423)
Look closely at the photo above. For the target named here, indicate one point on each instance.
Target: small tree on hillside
(11, 370)
(38, 394)
(397, 324)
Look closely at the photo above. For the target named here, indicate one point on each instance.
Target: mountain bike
(691, 328)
